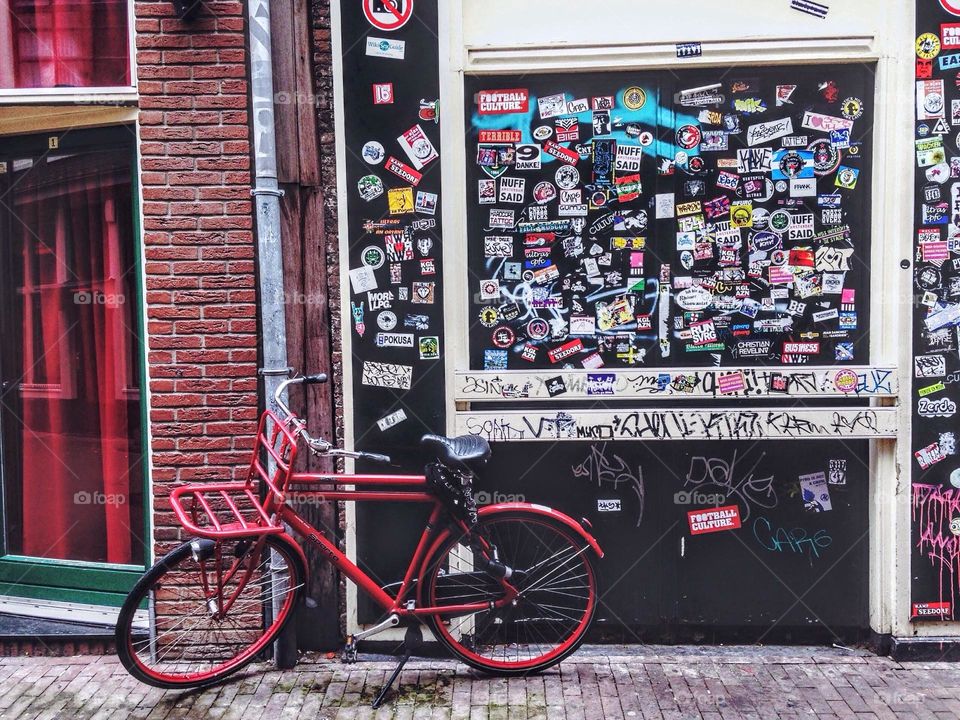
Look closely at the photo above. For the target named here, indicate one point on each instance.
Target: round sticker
(933, 103)
(634, 98)
(681, 158)
(696, 164)
(386, 321)
(688, 137)
(955, 478)
(955, 526)
(791, 164)
(567, 177)
(951, 6)
(779, 257)
(826, 158)
(598, 198)
(370, 187)
(489, 316)
(847, 178)
(503, 337)
(543, 132)
(846, 381)
(373, 256)
(388, 15)
(923, 130)
(373, 153)
(929, 278)
(538, 329)
(544, 192)
(779, 220)
(686, 259)
(766, 242)
(852, 108)
(645, 139)
(781, 186)
(422, 149)
(928, 46)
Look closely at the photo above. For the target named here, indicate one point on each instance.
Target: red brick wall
(198, 234)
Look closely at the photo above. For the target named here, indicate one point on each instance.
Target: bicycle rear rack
(232, 509)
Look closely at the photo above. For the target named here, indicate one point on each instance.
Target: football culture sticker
(388, 15)
(714, 520)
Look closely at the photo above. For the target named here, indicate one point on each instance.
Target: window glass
(73, 457)
(64, 43)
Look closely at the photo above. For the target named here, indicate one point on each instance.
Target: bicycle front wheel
(207, 602)
(554, 575)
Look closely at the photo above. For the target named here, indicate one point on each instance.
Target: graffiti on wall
(780, 424)
(695, 383)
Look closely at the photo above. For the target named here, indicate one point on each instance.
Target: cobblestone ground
(608, 682)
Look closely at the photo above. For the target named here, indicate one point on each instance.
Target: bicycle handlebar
(317, 445)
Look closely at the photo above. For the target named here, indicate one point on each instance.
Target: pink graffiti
(933, 508)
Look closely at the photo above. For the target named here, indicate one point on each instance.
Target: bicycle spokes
(554, 586)
(212, 612)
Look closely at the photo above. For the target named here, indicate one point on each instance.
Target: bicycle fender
(545, 511)
(295, 546)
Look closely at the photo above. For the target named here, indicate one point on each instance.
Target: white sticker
(387, 375)
(765, 132)
(363, 279)
(665, 205)
(381, 47)
(390, 420)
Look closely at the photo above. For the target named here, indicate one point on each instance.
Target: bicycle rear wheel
(195, 638)
(556, 580)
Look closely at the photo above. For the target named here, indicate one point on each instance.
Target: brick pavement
(713, 683)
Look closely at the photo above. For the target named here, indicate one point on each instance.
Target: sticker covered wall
(391, 137)
(623, 220)
(935, 565)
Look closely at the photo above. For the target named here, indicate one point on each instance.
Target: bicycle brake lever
(375, 457)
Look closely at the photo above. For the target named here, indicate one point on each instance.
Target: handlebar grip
(376, 457)
(315, 379)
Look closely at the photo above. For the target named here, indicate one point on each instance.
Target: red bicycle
(510, 588)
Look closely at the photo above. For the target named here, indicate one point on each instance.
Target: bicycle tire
(130, 646)
(442, 585)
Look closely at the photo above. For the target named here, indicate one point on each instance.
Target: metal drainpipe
(267, 194)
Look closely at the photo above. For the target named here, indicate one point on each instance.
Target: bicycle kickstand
(411, 643)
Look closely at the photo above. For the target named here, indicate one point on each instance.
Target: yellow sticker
(742, 215)
(400, 200)
(634, 98)
(928, 46)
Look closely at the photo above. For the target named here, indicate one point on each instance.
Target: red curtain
(64, 43)
(81, 471)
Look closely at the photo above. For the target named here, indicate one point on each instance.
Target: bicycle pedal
(349, 653)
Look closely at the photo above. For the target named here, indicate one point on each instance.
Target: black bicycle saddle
(465, 451)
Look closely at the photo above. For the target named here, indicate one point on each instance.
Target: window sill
(118, 96)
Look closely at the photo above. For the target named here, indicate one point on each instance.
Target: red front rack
(233, 509)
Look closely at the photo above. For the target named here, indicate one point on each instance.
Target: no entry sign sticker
(388, 15)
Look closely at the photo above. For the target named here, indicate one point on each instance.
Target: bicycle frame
(414, 490)
(196, 507)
